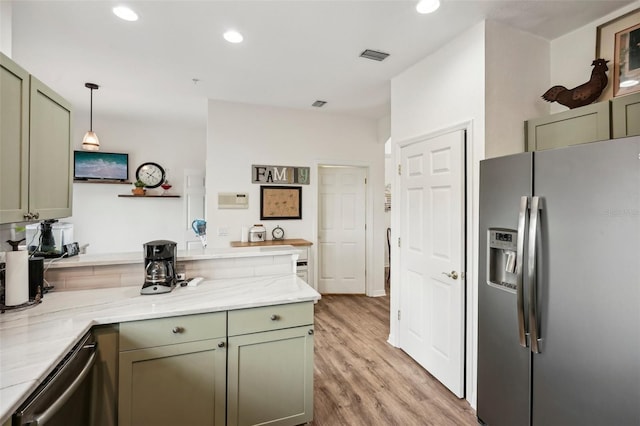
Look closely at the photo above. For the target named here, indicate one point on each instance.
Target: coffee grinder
(159, 267)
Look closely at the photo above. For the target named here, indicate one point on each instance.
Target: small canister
(257, 233)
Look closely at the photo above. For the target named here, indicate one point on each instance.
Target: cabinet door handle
(177, 330)
(310, 332)
(275, 317)
(36, 215)
(221, 344)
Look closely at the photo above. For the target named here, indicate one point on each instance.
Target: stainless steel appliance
(559, 287)
(159, 267)
(64, 397)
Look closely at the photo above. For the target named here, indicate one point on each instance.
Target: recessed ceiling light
(233, 36)
(427, 6)
(123, 12)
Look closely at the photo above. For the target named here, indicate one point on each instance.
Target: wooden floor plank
(359, 379)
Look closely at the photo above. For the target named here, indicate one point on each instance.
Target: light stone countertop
(33, 341)
(183, 255)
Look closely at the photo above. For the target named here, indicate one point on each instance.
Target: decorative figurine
(584, 94)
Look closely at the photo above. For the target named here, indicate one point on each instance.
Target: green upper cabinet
(589, 123)
(617, 118)
(14, 141)
(625, 114)
(36, 180)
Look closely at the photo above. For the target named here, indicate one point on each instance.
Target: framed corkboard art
(280, 202)
(618, 41)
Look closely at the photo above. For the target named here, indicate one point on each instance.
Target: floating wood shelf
(112, 182)
(290, 242)
(147, 196)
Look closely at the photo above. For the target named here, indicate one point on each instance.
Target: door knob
(452, 275)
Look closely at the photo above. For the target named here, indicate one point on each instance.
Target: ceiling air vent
(318, 104)
(374, 55)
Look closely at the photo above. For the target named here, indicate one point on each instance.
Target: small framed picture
(618, 41)
(280, 202)
(626, 69)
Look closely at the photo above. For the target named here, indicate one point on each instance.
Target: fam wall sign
(280, 174)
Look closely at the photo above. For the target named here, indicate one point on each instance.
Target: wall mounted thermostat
(233, 200)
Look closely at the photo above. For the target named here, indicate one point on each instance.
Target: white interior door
(194, 204)
(341, 233)
(432, 284)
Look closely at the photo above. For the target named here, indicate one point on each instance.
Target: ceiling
(294, 51)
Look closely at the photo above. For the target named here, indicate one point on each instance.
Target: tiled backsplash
(90, 277)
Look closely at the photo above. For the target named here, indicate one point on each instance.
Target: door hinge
(400, 169)
(398, 314)
(365, 181)
(398, 241)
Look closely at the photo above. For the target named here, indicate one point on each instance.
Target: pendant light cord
(91, 112)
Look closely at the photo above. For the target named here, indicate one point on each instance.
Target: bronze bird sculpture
(584, 94)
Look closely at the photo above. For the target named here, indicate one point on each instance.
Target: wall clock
(277, 233)
(151, 174)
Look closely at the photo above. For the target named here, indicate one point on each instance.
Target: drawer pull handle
(275, 317)
(221, 344)
(310, 332)
(177, 330)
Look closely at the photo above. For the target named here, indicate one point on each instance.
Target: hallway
(360, 379)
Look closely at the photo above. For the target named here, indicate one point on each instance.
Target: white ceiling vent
(374, 55)
(318, 104)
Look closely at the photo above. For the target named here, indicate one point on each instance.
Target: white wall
(491, 76)
(240, 135)
(112, 224)
(572, 54)
(445, 89)
(5, 28)
(517, 73)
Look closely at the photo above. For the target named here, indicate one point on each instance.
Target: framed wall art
(618, 41)
(280, 202)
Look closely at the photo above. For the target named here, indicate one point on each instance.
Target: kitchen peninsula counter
(33, 341)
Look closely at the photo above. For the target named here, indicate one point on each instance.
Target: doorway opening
(342, 229)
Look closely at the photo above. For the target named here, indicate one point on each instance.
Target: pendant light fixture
(90, 141)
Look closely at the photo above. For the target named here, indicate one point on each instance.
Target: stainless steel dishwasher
(64, 397)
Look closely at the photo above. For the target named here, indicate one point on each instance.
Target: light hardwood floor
(360, 379)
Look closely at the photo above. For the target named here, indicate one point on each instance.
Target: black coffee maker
(159, 267)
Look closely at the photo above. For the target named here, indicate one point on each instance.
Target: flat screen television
(88, 165)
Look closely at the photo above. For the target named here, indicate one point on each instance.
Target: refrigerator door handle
(522, 223)
(534, 324)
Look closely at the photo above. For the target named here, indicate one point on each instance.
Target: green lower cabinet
(172, 371)
(104, 404)
(241, 367)
(182, 384)
(270, 377)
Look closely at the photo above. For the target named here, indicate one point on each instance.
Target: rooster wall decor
(584, 94)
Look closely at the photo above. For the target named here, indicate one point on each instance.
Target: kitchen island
(34, 341)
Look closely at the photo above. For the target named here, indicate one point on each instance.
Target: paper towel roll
(244, 236)
(16, 287)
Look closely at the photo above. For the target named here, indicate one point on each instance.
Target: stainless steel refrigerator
(559, 287)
